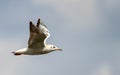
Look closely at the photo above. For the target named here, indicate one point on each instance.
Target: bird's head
(53, 48)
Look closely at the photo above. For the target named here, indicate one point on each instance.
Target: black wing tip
(30, 23)
(38, 19)
(32, 27)
(38, 22)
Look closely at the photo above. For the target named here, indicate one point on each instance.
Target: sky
(86, 30)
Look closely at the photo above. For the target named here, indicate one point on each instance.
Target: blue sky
(86, 30)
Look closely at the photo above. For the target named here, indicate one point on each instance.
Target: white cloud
(112, 4)
(9, 63)
(103, 69)
(79, 14)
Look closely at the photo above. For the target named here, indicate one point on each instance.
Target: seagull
(37, 41)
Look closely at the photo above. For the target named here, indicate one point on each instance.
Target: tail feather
(15, 53)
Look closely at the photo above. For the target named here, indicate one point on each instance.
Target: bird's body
(37, 41)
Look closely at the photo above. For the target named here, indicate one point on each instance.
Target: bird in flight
(37, 41)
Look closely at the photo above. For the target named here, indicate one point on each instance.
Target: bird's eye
(53, 46)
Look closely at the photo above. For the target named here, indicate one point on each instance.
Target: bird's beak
(58, 49)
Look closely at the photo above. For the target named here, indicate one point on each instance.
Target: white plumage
(37, 41)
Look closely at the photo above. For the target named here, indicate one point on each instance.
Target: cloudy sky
(86, 30)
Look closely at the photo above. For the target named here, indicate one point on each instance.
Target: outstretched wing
(43, 28)
(38, 35)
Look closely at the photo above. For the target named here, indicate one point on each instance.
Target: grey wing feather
(43, 28)
(38, 35)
